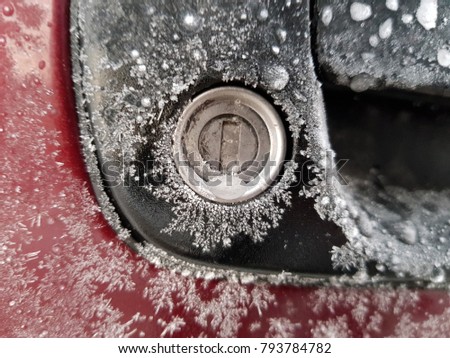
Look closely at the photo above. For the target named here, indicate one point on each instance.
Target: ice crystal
(141, 113)
(136, 116)
(394, 228)
(211, 223)
(172, 327)
(282, 328)
(229, 302)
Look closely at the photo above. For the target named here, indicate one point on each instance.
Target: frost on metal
(393, 44)
(63, 271)
(152, 78)
(65, 274)
(143, 110)
(229, 303)
(211, 223)
(399, 233)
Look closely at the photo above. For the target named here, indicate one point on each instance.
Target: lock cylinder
(229, 144)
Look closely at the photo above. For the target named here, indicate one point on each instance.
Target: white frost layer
(427, 13)
(405, 241)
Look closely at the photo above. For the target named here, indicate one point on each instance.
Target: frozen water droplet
(407, 232)
(2, 41)
(185, 273)
(135, 53)
(197, 55)
(8, 10)
(427, 13)
(374, 40)
(263, 14)
(438, 275)
(12, 303)
(281, 35)
(176, 37)
(395, 260)
(443, 57)
(191, 22)
(209, 276)
(275, 77)
(146, 102)
(362, 82)
(165, 66)
(243, 16)
(275, 49)
(142, 68)
(247, 279)
(327, 15)
(407, 18)
(385, 29)
(392, 5)
(360, 11)
(380, 267)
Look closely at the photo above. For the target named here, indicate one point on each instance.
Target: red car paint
(65, 273)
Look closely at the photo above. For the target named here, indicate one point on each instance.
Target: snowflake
(282, 328)
(174, 326)
(332, 328)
